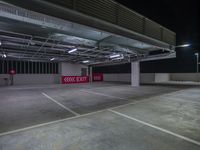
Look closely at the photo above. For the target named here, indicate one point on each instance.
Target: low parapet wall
(195, 77)
(154, 77)
(23, 79)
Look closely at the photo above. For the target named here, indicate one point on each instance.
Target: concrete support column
(90, 73)
(135, 73)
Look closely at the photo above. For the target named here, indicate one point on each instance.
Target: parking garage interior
(72, 77)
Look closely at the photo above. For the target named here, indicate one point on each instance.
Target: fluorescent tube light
(52, 59)
(115, 56)
(73, 50)
(86, 61)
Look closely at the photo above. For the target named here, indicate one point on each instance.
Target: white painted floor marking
(70, 118)
(91, 92)
(120, 106)
(48, 123)
(61, 105)
(156, 127)
(109, 109)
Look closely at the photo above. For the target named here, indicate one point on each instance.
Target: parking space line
(65, 119)
(49, 123)
(123, 105)
(103, 87)
(61, 105)
(96, 93)
(156, 127)
(87, 114)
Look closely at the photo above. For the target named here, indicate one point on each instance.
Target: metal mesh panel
(169, 36)
(103, 9)
(130, 20)
(152, 29)
(64, 3)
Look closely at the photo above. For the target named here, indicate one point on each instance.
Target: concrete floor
(99, 116)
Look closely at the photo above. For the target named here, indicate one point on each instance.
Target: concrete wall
(126, 77)
(22, 79)
(144, 77)
(147, 77)
(2, 81)
(185, 77)
(154, 77)
(162, 77)
(68, 69)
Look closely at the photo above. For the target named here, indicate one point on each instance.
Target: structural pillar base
(90, 74)
(135, 73)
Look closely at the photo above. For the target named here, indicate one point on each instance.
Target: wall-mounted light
(0, 43)
(73, 50)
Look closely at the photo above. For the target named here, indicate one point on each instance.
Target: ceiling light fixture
(86, 61)
(4, 55)
(114, 56)
(73, 50)
(119, 58)
(52, 59)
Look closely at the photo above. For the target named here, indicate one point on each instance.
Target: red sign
(12, 72)
(74, 79)
(97, 77)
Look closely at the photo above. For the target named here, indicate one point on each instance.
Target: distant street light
(184, 45)
(197, 55)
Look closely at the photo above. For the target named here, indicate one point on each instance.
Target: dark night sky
(180, 16)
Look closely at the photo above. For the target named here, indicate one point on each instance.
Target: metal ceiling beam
(81, 18)
(35, 54)
(63, 44)
(17, 55)
(35, 50)
(45, 45)
(104, 39)
(68, 56)
(30, 52)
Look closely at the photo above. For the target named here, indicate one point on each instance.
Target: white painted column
(135, 73)
(90, 73)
